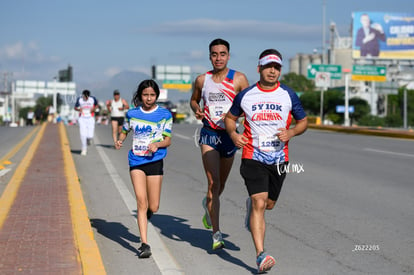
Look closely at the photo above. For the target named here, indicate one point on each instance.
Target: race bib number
(270, 143)
(86, 112)
(140, 147)
(217, 111)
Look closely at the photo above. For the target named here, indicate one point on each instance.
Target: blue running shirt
(147, 127)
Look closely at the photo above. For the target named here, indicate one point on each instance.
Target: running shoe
(264, 262)
(144, 251)
(83, 152)
(206, 217)
(248, 211)
(218, 242)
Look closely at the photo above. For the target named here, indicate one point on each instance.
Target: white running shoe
(83, 152)
(206, 218)
(217, 240)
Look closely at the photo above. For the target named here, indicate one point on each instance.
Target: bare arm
(108, 105)
(125, 105)
(300, 127)
(240, 82)
(120, 141)
(231, 126)
(196, 97)
(153, 147)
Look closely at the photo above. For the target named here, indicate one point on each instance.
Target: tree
(42, 103)
(333, 98)
(395, 108)
(311, 102)
(361, 107)
(298, 83)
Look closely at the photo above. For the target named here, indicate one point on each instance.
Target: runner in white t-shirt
(86, 105)
(268, 107)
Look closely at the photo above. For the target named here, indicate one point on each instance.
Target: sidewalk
(44, 228)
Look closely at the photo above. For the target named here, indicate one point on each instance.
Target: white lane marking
(389, 152)
(181, 136)
(4, 171)
(161, 255)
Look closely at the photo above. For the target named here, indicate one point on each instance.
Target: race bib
(270, 143)
(217, 111)
(140, 147)
(86, 112)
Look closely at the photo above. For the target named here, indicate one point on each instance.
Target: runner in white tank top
(217, 88)
(117, 107)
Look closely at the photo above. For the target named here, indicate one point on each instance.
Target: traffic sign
(177, 85)
(334, 70)
(369, 73)
(322, 79)
(341, 109)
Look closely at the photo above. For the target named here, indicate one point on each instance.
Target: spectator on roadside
(29, 117)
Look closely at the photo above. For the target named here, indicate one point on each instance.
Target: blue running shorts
(219, 140)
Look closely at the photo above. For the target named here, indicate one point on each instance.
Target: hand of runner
(199, 114)
(238, 139)
(118, 144)
(153, 147)
(284, 134)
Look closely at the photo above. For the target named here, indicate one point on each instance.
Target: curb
(365, 131)
(90, 257)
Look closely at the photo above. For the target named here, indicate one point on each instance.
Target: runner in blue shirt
(151, 127)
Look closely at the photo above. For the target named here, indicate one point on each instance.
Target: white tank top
(217, 98)
(115, 105)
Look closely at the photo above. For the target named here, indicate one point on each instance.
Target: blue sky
(101, 38)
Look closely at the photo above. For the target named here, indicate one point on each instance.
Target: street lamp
(54, 99)
(346, 112)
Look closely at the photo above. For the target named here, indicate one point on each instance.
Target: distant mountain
(127, 82)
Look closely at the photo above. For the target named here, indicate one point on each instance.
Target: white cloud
(12, 51)
(245, 28)
(28, 53)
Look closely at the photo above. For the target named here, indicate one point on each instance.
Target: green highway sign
(334, 70)
(178, 84)
(369, 73)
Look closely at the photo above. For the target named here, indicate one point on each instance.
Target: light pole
(54, 99)
(346, 113)
(405, 107)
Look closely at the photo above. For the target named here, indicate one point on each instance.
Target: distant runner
(117, 108)
(86, 105)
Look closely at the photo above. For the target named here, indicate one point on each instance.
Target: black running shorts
(119, 119)
(259, 177)
(155, 168)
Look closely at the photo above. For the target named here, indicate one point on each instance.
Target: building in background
(387, 41)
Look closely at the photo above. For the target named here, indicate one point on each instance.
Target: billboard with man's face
(380, 35)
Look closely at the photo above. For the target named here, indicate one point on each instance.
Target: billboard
(381, 35)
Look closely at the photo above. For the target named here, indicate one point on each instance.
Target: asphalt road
(346, 208)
